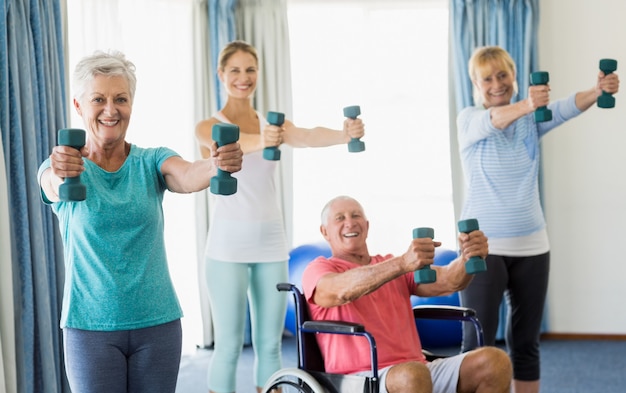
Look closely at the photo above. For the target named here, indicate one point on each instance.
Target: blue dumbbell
(355, 145)
(72, 190)
(424, 275)
(474, 264)
(223, 134)
(272, 153)
(541, 78)
(606, 100)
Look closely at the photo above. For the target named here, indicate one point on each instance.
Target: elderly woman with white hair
(120, 315)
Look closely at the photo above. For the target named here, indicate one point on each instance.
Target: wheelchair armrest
(347, 328)
(443, 312)
(453, 313)
(305, 325)
(336, 327)
(285, 286)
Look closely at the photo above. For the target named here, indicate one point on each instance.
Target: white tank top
(248, 226)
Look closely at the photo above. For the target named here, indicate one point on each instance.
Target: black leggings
(524, 283)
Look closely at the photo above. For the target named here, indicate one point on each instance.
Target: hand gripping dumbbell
(223, 134)
(541, 78)
(72, 190)
(355, 145)
(606, 100)
(272, 153)
(424, 275)
(474, 264)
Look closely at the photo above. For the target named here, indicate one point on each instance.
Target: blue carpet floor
(583, 366)
(566, 367)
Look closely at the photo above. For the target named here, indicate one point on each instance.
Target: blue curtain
(222, 30)
(510, 24)
(33, 103)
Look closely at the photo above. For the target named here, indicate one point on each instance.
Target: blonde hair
(232, 48)
(484, 60)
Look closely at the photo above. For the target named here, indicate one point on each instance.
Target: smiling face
(105, 107)
(345, 227)
(493, 73)
(239, 74)
(496, 85)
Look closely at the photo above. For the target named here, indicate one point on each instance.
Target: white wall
(584, 169)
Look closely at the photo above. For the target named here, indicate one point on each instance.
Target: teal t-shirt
(116, 272)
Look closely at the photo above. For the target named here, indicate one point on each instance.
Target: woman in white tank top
(247, 252)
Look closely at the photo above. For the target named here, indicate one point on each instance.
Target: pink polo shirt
(385, 313)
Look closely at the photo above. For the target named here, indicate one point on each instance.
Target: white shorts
(444, 374)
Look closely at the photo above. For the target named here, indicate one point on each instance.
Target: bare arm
(248, 142)
(50, 185)
(65, 162)
(322, 136)
(586, 98)
(505, 115)
(184, 177)
(335, 289)
(452, 277)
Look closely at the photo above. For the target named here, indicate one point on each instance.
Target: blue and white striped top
(501, 169)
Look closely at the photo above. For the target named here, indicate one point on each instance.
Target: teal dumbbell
(474, 264)
(355, 145)
(424, 275)
(541, 78)
(72, 190)
(223, 134)
(272, 153)
(606, 100)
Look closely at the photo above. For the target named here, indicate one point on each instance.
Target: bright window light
(391, 59)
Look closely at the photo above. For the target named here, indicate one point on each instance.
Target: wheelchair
(310, 377)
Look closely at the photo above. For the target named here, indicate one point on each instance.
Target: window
(391, 58)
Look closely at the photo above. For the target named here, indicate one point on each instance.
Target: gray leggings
(125, 361)
(524, 283)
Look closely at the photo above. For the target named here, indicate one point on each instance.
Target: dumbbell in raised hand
(72, 190)
(541, 78)
(355, 145)
(424, 275)
(223, 134)
(606, 100)
(474, 264)
(272, 153)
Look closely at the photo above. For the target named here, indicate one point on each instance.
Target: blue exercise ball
(299, 258)
(438, 333)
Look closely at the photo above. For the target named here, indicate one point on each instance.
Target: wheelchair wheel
(292, 380)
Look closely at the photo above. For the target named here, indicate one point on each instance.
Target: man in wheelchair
(375, 291)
